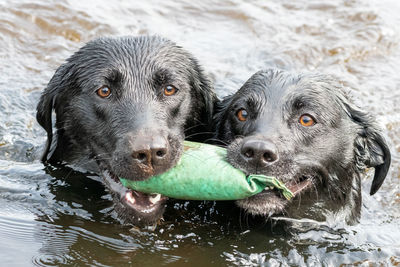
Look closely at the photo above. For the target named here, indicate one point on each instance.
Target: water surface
(61, 217)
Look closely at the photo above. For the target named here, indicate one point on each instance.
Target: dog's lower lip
(141, 202)
(145, 203)
(299, 186)
(295, 187)
(129, 197)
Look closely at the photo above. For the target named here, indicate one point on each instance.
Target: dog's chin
(270, 201)
(140, 208)
(265, 203)
(134, 206)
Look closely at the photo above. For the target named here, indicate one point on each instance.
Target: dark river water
(63, 217)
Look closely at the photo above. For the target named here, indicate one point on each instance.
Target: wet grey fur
(333, 153)
(92, 129)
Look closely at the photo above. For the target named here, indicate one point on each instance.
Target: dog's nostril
(269, 156)
(259, 152)
(160, 153)
(141, 156)
(249, 153)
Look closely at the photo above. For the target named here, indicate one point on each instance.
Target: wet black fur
(90, 129)
(334, 153)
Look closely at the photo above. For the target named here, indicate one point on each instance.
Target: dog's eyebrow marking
(162, 77)
(296, 103)
(256, 102)
(114, 76)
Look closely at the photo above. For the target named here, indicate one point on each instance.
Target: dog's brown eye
(169, 90)
(242, 114)
(104, 92)
(306, 120)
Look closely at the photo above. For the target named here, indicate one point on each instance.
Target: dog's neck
(350, 208)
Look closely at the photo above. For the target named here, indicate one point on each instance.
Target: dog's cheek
(179, 112)
(73, 120)
(229, 129)
(233, 155)
(341, 151)
(87, 123)
(99, 114)
(328, 148)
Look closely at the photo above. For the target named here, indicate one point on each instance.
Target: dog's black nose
(151, 151)
(258, 153)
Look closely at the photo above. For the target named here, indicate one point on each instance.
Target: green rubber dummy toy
(203, 173)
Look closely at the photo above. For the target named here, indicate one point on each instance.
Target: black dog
(126, 104)
(304, 130)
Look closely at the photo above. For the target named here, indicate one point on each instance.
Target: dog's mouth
(271, 200)
(146, 207)
(297, 186)
(142, 202)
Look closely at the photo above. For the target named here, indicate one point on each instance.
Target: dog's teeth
(129, 197)
(271, 187)
(154, 198)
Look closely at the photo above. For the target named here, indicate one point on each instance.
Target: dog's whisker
(198, 133)
(108, 134)
(194, 126)
(216, 141)
(315, 190)
(240, 219)
(277, 135)
(69, 174)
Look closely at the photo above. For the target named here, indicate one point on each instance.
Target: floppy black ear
(221, 114)
(49, 100)
(205, 89)
(43, 116)
(371, 147)
(199, 124)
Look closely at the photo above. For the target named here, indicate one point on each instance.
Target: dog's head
(304, 130)
(126, 103)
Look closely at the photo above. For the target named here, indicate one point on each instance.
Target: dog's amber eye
(104, 92)
(306, 120)
(242, 114)
(169, 90)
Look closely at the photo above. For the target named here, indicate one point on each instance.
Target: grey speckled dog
(126, 104)
(304, 130)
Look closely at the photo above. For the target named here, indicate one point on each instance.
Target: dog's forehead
(279, 87)
(268, 83)
(130, 56)
(314, 89)
(130, 64)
